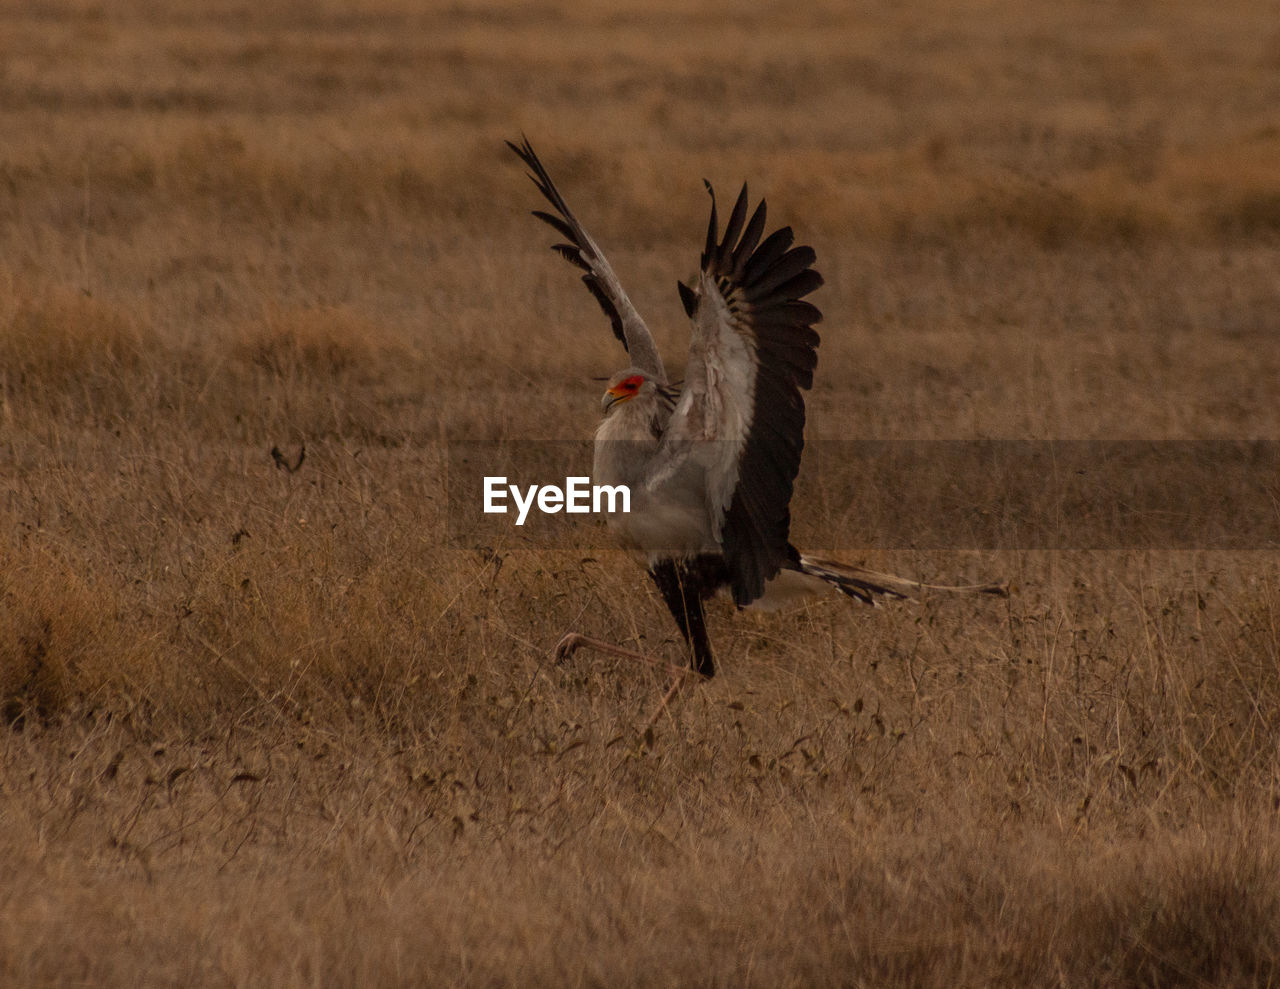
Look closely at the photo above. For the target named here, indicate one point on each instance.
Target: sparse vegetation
(268, 727)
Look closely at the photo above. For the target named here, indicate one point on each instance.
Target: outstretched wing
(580, 250)
(753, 351)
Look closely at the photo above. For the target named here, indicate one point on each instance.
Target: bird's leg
(679, 589)
(674, 689)
(570, 642)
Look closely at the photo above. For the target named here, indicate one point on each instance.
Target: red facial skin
(627, 388)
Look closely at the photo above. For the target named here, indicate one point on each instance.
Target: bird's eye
(631, 384)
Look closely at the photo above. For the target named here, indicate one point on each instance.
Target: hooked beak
(609, 397)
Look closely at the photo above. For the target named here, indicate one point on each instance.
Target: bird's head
(624, 386)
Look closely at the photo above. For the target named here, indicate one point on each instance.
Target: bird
(711, 462)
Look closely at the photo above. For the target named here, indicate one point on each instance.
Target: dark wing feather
(753, 353)
(581, 251)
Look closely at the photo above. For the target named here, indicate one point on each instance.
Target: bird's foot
(570, 642)
(568, 645)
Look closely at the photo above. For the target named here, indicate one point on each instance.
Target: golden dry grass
(269, 728)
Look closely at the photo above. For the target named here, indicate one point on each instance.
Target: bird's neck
(626, 440)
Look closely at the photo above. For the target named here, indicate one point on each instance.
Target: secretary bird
(711, 464)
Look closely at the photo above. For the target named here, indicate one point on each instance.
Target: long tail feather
(868, 585)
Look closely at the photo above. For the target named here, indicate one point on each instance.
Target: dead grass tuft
(1177, 916)
(63, 646)
(322, 343)
(56, 338)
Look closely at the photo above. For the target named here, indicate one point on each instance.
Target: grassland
(266, 727)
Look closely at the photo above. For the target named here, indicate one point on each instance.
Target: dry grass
(269, 728)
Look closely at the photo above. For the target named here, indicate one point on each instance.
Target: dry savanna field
(265, 727)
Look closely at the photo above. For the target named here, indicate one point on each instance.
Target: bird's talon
(568, 643)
